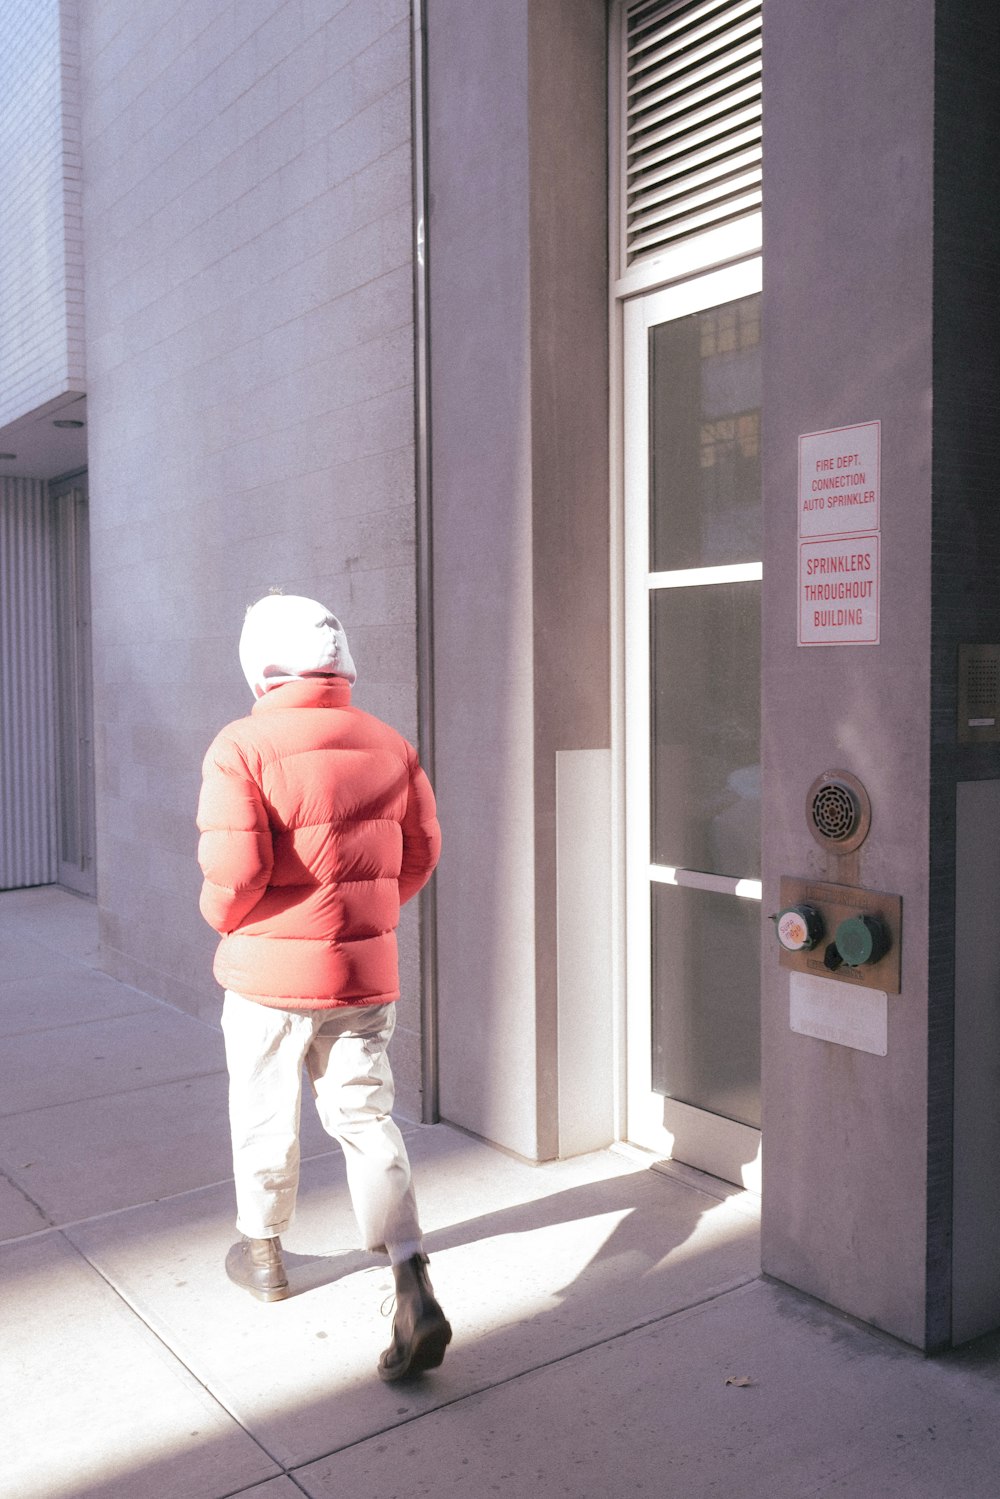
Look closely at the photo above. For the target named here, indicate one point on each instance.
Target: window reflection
(705, 664)
(705, 438)
(734, 325)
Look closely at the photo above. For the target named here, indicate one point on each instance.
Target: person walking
(317, 823)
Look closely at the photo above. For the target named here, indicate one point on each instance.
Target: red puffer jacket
(316, 823)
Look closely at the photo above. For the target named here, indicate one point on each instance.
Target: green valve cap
(862, 939)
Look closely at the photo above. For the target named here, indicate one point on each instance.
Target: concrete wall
(518, 328)
(848, 310)
(41, 259)
(250, 343)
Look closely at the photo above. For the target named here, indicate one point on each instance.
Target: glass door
(692, 641)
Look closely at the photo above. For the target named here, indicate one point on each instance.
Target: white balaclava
(286, 637)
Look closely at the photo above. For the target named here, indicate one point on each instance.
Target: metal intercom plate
(836, 903)
(978, 694)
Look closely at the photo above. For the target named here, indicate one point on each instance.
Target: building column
(518, 398)
(880, 307)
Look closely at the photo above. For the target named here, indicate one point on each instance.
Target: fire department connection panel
(840, 932)
(835, 931)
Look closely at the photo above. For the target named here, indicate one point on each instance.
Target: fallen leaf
(740, 1380)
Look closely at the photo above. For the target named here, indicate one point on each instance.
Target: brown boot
(420, 1330)
(255, 1265)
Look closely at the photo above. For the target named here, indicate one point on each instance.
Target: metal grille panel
(27, 694)
(693, 119)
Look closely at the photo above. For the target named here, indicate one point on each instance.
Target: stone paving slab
(27, 960)
(92, 1406)
(98, 1155)
(275, 1488)
(75, 994)
(531, 1265)
(18, 1214)
(102, 1057)
(52, 919)
(831, 1408)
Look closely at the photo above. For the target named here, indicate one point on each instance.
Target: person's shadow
(659, 1215)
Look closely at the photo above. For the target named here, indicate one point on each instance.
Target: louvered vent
(693, 118)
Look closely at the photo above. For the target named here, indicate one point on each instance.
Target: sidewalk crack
(694, 1306)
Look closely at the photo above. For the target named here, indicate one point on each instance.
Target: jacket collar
(306, 692)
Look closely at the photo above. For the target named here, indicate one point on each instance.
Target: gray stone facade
(257, 372)
(250, 335)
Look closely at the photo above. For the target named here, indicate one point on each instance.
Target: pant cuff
(400, 1253)
(255, 1231)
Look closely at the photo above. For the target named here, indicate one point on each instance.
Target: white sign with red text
(839, 480)
(839, 591)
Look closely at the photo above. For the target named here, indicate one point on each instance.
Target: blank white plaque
(834, 1011)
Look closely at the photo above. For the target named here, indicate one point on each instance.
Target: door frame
(719, 1146)
(76, 800)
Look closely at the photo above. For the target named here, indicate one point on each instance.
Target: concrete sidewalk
(601, 1309)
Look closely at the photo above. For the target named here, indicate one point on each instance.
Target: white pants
(344, 1054)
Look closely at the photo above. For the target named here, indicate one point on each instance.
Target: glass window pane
(705, 438)
(705, 719)
(707, 1053)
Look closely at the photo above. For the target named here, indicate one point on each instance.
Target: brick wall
(41, 263)
(248, 228)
